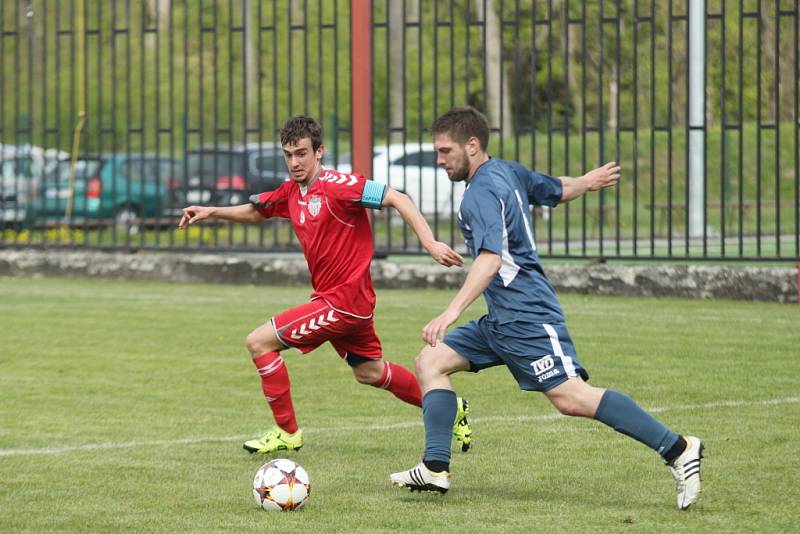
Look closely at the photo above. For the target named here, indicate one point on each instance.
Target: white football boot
(420, 478)
(686, 472)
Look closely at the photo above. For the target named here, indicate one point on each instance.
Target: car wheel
(127, 217)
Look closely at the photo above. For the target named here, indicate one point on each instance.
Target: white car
(411, 168)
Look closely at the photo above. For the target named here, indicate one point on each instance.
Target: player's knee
(567, 407)
(425, 364)
(256, 343)
(572, 406)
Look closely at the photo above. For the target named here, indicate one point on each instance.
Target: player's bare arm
(480, 275)
(243, 213)
(439, 251)
(594, 180)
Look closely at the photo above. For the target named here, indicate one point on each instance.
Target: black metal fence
(165, 103)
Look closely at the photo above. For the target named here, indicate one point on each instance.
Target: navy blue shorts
(540, 356)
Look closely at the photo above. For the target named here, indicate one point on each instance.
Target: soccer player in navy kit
(524, 328)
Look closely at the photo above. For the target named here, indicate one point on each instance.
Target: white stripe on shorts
(566, 361)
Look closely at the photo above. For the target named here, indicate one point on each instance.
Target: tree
(497, 92)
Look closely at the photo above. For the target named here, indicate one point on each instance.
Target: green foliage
(125, 405)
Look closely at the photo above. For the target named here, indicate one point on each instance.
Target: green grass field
(123, 407)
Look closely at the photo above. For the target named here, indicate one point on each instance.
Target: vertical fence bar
(173, 176)
(549, 22)
(601, 128)
(617, 118)
(584, 126)
(740, 55)
(361, 85)
(687, 140)
(777, 121)
(566, 121)
(797, 137)
(635, 126)
(758, 129)
(723, 136)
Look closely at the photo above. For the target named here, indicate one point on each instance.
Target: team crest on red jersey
(314, 205)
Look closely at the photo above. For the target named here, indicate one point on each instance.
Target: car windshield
(83, 168)
(213, 164)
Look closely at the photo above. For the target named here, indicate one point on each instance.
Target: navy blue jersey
(495, 216)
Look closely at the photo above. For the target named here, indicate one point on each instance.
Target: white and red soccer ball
(281, 485)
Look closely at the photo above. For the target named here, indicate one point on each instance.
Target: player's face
(302, 160)
(452, 157)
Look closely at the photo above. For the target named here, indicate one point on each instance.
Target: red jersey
(333, 228)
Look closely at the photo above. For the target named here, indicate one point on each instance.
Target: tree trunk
(162, 8)
(612, 103)
(498, 97)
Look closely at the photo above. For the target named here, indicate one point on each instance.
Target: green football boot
(275, 439)
(461, 430)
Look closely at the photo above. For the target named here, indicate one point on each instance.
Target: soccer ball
(281, 485)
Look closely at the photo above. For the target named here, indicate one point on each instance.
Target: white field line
(362, 428)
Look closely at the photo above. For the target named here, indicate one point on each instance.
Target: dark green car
(123, 188)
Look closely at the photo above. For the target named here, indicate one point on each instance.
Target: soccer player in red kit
(328, 211)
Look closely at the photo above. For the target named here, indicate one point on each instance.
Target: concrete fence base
(775, 284)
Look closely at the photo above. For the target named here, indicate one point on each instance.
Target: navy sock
(622, 414)
(439, 409)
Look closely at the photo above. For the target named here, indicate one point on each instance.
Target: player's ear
(320, 152)
(473, 146)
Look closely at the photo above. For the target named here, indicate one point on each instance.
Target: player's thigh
(357, 341)
(472, 344)
(264, 339)
(309, 325)
(540, 356)
(361, 349)
(575, 397)
(440, 360)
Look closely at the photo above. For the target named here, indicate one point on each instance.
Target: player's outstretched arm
(244, 213)
(480, 275)
(594, 180)
(408, 211)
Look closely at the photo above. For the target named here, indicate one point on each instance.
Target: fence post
(697, 111)
(361, 85)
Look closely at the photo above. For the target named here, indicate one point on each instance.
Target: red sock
(401, 382)
(275, 385)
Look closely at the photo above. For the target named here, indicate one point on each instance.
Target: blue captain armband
(372, 196)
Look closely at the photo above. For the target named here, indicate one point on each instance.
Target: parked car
(22, 169)
(228, 174)
(121, 187)
(412, 168)
(223, 174)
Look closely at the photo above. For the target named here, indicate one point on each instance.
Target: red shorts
(308, 326)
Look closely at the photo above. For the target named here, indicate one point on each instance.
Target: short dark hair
(461, 123)
(299, 127)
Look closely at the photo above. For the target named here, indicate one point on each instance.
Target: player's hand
(192, 214)
(434, 331)
(602, 177)
(444, 255)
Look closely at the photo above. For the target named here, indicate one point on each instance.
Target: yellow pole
(76, 137)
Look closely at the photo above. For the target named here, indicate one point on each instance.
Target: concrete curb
(771, 284)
